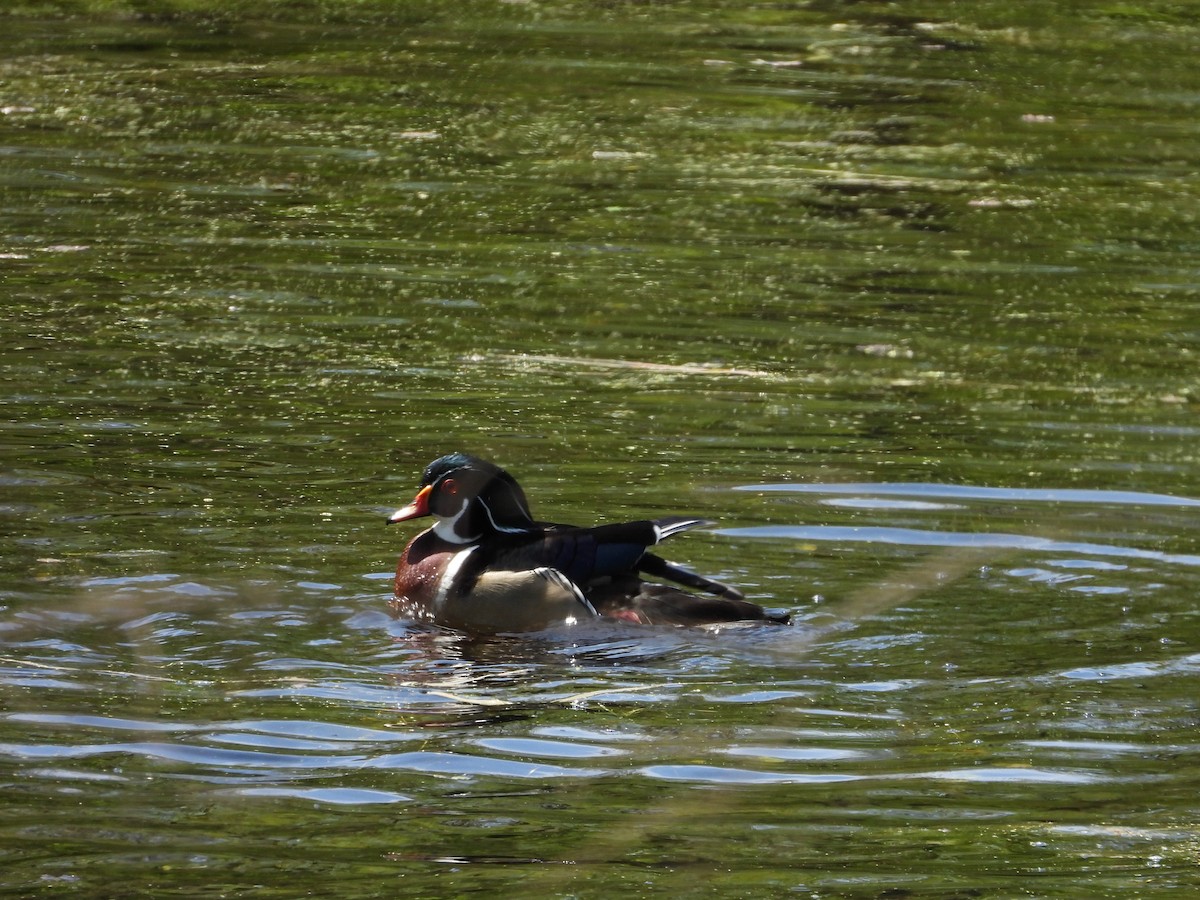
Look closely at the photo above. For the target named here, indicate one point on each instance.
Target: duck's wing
(581, 554)
(650, 564)
(587, 554)
(660, 604)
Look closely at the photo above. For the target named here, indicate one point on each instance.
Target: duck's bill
(419, 507)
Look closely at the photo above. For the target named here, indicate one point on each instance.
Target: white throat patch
(447, 529)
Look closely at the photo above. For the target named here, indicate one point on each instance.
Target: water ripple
(1186, 665)
(433, 762)
(724, 775)
(553, 749)
(88, 721)
(1014, 775)
(335, 796)
(974, 492)
(923, 538)
(204, 756)
(794, 754)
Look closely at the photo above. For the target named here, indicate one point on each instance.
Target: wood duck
(487, 567)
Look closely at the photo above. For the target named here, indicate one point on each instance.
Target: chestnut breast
(420, 571)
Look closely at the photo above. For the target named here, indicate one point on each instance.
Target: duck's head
(469, 498)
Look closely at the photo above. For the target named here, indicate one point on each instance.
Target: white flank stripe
(557, 577)
(447, 582)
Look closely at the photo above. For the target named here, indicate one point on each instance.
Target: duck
(486, 566)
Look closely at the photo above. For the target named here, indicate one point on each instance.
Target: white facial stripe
(447, 582)
(447, 529)
(505, 528)
(518, 503)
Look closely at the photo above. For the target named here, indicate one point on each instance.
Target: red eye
(450, 487)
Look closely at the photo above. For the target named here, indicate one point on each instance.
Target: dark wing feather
(586, 555)
(661, 604)
(582, 554)
(654, 565)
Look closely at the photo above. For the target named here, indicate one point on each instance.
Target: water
(903, 299)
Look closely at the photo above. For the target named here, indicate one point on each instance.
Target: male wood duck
(486, 566)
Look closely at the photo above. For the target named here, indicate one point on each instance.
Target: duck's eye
(450, 486)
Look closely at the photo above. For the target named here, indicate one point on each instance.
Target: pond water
(900, 295)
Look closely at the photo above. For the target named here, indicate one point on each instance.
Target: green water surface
(901, 295)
